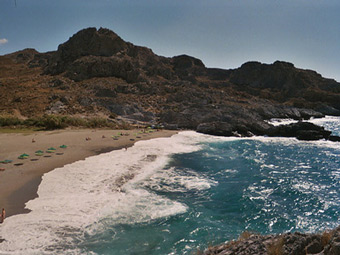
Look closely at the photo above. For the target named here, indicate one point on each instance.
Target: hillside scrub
(51, 122)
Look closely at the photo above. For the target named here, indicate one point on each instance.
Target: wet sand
(20, 180)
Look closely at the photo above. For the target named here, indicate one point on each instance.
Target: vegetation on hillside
(50, 122)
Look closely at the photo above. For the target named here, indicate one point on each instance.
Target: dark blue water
(258, 185)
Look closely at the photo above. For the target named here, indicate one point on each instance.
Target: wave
(127, 186)
(80, 198)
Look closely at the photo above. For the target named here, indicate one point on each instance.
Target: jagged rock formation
(283, 82)
(327, 243)
(91, 53)
(97, 72)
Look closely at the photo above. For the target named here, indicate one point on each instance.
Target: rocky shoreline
(301, 130)
(326, 243)
(97, 73)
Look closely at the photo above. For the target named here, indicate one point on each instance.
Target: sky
(222, 33)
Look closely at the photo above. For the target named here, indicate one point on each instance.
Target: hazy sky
(222, 33)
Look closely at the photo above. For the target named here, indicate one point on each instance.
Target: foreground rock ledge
(327, 243)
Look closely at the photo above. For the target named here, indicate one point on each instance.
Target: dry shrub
(245, 235)
(326, 237)
(276, 247)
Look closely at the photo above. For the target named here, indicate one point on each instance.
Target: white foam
(172, 180)
(327, 118)
(81, 198)
(278, 122)
(331, 123)
(259, 192)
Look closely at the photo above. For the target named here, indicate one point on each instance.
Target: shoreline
(19, 183)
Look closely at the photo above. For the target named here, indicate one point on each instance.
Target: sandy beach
(19, 180)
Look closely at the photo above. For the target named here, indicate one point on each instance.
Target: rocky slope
(97, 73)
(327, 243)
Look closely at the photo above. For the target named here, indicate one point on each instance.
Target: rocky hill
(97, 73)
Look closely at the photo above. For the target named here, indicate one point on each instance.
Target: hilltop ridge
(96, 72)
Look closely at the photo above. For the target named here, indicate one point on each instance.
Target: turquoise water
(181, 194)
(265, 187)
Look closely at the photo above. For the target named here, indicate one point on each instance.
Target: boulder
(285, 244)
(216, 128)
(300, 130)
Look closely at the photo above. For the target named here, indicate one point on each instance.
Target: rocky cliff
(97, 72)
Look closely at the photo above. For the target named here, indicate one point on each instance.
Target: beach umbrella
(63, 146)
(51, 149)
(6, 161)
(39, 153)
(23, 156)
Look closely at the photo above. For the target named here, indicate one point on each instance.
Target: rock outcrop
(282, 82)
(327, 243)
(300, 130)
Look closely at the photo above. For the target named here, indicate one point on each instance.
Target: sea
(182, 194)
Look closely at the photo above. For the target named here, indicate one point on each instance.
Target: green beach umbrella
(63, 146)
(23, 156)
(51, 149)
(39, 153)
(6, 161)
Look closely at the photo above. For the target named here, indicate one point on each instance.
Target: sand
(20, 180)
